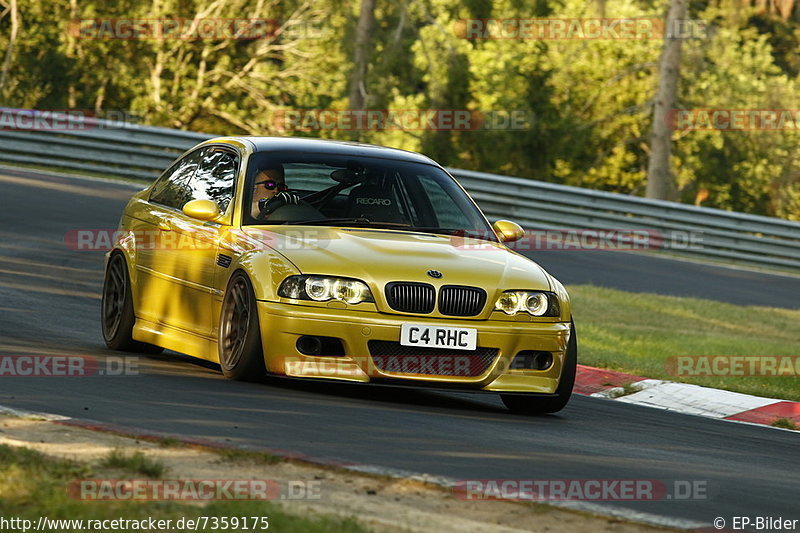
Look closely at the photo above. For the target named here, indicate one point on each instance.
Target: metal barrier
(681, 229)
(108, 148)
(91, 145)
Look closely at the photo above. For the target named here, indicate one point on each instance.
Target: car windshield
(353, 191)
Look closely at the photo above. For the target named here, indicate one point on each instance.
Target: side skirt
(176, 339)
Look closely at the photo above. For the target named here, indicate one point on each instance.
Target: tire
(240, 353)
(116, 310)
(532, 405)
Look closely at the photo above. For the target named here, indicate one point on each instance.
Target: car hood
(379, 256)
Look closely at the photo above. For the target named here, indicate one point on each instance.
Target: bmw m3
(340, 261)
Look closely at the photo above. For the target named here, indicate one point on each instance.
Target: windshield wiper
(363, 221)
(459, 232)
(360, 221)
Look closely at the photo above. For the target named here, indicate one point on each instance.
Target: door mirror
(201, 209)
(508, 231)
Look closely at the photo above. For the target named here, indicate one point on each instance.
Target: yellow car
(333, 260)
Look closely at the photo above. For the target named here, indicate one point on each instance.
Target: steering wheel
(267, 206)
(277, 204)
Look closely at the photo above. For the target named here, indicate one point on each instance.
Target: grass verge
(235, 455)
(785, 423)
(136, 463)
(638, 333)
(33, 485)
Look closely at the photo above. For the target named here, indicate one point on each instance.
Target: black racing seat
(374, 203)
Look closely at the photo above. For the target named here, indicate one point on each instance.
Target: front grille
(457, 300)
(394, 357)
(410, 297)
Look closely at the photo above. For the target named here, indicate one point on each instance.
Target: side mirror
(201, 209)
(508, 231)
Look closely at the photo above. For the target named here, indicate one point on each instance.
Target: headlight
(324, 288)
(537, 303)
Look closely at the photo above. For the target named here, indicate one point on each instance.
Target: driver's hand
(281, 199)
(288, 197)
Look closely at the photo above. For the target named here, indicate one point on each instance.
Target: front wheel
(240, 353)
(532, 405)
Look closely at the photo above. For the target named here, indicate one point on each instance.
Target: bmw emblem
(434, 274)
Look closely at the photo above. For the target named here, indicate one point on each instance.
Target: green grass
(235, 455)
(637, 333)
(786, 424)
(34, 485)
(626, 389)
(169, 442)
(136, 462)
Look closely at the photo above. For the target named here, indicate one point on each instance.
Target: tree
(358, 78)
(11, 10)
(660, 180)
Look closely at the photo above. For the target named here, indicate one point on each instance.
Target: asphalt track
(49, 304)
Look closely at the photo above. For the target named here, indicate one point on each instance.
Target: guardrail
(96, 146)
(91, 145)
(682, 229)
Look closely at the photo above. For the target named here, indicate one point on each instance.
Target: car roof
(327, 146)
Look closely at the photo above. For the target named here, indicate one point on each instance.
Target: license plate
(425, 336)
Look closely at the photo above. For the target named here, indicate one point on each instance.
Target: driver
(270, 183)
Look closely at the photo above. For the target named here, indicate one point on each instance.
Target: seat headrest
(374, 203)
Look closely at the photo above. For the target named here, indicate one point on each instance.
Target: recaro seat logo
(373, 201)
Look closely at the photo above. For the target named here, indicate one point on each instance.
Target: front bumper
(282, 324)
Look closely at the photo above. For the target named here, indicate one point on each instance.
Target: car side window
(172, 189)
(215, 177)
